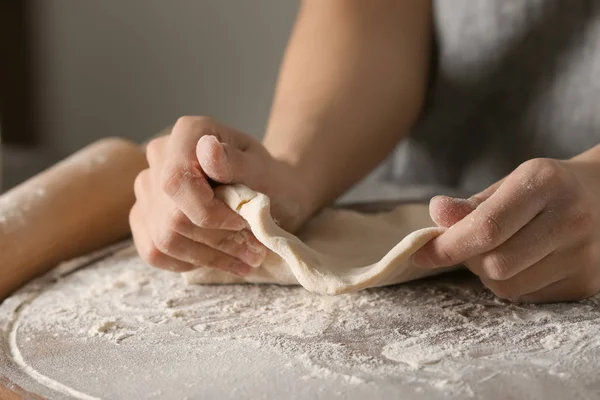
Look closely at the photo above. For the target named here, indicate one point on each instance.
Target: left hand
(532, 237)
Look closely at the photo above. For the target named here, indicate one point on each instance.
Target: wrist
(589, 160)
(302, 202)
(586, 167)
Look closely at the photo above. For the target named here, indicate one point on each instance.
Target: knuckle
(152, 255)
(490, 230)
(193, 122)
(536, 164)
(172, 182)
(165, 241)
(496, 267)
(186, 121)
(547, 172)
(582, 218)
(132, 217)
(208, 220)
(177, 221)
(152, 150)
(138, 183)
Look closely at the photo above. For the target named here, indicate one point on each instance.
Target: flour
(14, 208)
(104, 327)
(119, 321)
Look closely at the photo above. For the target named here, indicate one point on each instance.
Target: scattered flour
(104, 327)
(442, 337)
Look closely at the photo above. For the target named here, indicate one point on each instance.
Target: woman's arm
(351, 86)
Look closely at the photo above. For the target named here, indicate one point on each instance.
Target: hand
(177, 222)
(532, 237)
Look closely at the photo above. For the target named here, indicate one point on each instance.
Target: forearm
(351, 86)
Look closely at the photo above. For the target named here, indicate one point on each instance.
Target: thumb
(223, 163)
(447, 211)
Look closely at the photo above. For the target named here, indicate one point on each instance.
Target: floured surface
(121, 330)
(338, 251)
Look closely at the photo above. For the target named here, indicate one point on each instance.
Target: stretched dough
(338, 251)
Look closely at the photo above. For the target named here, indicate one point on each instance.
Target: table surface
(108, 326)
(118, 329)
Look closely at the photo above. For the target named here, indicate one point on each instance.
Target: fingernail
(209, 139)
(422, 259)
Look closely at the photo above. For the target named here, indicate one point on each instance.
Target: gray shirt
(512, 80)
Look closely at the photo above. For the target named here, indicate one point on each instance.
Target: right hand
(179, 225)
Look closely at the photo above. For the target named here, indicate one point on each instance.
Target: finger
(446, 211)
(167, 244)
(486, 193)
(185, 183)
(166, 217)
(549, 270)
(156, 151)
(582, 280)
(140, 183)
(224, 163)
(148, 200)
(181, 248)
(241, 244)
(213, 159)
(146, 249)
(530, 245)
(495, 220)
(570, 289)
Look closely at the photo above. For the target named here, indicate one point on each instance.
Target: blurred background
(73, 71)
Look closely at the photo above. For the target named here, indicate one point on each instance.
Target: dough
(338, 251)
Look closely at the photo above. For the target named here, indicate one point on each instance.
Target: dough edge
(287, 265)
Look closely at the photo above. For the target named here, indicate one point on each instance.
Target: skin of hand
(351, 86)
(179, 225)
(532, 237)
